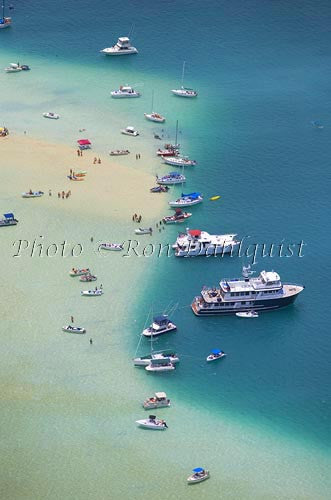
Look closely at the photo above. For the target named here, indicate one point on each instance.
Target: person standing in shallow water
(91, 341)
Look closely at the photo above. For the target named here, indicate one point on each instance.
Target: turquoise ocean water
(262, 70)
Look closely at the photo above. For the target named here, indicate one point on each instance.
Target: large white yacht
(124, 91)
(195, 242)
(121, 48)
(262, 293)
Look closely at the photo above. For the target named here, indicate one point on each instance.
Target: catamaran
(183, 91)
(194, 243)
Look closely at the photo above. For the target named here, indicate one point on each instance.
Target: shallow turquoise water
(262, 73)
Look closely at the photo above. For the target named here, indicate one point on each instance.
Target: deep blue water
(263, 71)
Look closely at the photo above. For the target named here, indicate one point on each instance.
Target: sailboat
(5, 22)
(152, 116)
(183, 91)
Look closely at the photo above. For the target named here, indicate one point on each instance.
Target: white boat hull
(112, 52)
(124, 95)
(185, 203)
(146, 424)
(36, 194)
(184, 93)
(193, 479)
(91, 293)
(205, 251)
(111, 246)
(154, 118)
(73, 329)
(214, 358)
(155, 333)
(178, 162)
(133, 134)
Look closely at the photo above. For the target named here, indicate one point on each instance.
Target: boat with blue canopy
(199, 474)
(216, 354)
(187, 200)
(8, 220)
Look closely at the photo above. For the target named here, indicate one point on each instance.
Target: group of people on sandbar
(64, 194)
(96, 160)
(136, 218)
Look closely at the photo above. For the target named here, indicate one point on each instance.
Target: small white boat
(92, 293)
(13, 68)
(144, 230)
(145, 360)
(154, 117)
(159, 400)
(177, 218)
(32, 194)
(88, 277)
(119, 152)
(247, 314)
(178, 161)
(79, 272)
(115, 247)
(187, 200)
(5, 22)
(199, 474)
(172, 178)
(52, 116)
(123, 47)
(183, 91)
(152, 423)
(73, 329)
(130, 131)
(161, 324)
(215, 354)
(124, 91)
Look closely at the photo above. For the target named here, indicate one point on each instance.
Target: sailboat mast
(176, 133)
(3, 9)
(183, 72)
(152, 100)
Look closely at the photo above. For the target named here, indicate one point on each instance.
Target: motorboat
(52, 116)
(119, 152)
(247, 314)
(143, 230)
(161, 324)
(187, 200)
(194, 243)
(5, 22)
(183, 91)
(73, 329)
(92, 293)
(160, 365)
(121, 48)
(199, 474)
(159, 400)
(159, 189)
(177, 161)
(13, 68)
(154, 117)
(171, 178)
(152, 423)
(8, 220)
(215, 354)
(130, 131)
(124, 91)
(162, 355)
(178, 217)
(79, 272)
(265, 292)
(32, 194)
(88, 278)
(115, 247)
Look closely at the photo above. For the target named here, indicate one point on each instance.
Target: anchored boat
(159, 400)
(152, 423)
(187, 200)
(121, 48)
(8, 220)
(73, 329)
(199, 474)
(161, 324)
(124, 91)
(195, 243)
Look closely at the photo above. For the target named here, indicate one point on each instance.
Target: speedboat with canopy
(215, 354)
(8, 220)
(52, 116)
(187, 200)
(159, 400)
(152, 423)
(130, 131)
(92, 293)
(199, 474)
